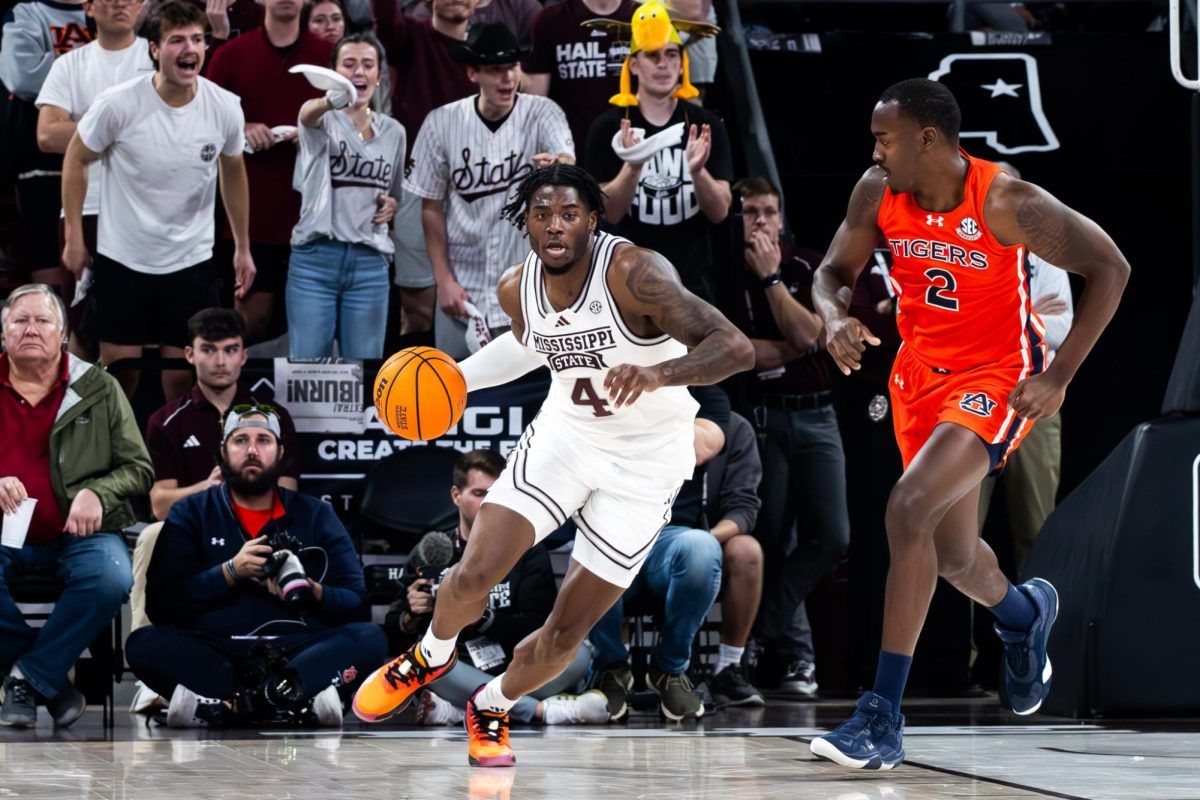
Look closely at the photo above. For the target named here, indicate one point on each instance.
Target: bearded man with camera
(256, 597)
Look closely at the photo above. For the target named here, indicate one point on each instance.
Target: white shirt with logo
(77, 78)
(159, 185)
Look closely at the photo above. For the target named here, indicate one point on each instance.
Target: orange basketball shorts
(924, 396)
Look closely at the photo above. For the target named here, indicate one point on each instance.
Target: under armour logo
(898, 381)
(218, 542)
(930, 219)
(561, 321)
(192, 441)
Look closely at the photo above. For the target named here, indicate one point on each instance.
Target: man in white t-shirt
(164, 138)
(75, 80)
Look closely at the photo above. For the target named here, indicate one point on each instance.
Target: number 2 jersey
(963, 296)
(580, 344)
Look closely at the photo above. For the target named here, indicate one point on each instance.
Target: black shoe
(729, 687)
(18, 708)
(616, 682)
(67, 706)
(800, 680)
(679, 698)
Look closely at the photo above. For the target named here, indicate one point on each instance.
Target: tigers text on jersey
(459, 159)
(963, 296)
(580, 344)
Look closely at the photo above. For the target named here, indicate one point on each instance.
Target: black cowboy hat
(489, 43)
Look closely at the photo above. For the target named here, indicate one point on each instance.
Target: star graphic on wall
(1001, 88)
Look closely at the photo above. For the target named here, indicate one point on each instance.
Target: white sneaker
(589, 708)
(327, 708)
(145, 700)
(433, 710)
(190, 710)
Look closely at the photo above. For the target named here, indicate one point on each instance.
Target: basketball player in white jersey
(468, 158)
(610, 447)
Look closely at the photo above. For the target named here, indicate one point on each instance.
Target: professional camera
(284, 566)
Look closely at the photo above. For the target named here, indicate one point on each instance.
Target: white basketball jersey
(580, 344)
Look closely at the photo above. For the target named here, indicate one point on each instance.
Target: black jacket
(517, 606)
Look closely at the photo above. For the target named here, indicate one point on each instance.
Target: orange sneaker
(388, 690)
(487, 733)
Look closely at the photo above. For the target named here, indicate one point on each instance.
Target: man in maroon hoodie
(254, 66)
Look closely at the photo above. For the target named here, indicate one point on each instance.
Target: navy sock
(1016, 611)
(890, 677)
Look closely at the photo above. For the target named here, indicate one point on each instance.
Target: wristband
(232, 572)
(771, 280)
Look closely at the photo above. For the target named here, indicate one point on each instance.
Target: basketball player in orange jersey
(968, 382)
(610, 448)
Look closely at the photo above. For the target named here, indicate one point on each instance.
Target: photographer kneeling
(241, 633)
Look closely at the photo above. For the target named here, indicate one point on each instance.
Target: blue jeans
(97, 574)
(684, 571)
(337, 289)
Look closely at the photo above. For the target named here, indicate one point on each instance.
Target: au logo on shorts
(977, 403)
(208, 152)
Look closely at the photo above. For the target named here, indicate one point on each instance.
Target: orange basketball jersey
(963, 297)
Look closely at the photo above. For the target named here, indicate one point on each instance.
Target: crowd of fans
(124, 118)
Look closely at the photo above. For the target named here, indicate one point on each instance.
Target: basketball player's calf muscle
(718, 349)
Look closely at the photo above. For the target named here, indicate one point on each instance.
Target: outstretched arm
(833, 284)
(1017, 212)
(651, 290)
(504, 358)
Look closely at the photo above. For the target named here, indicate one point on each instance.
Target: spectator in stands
(255, 68)
(430, 77)
(702, 54)
(664, 200)
(517, 606)
(172, 130)
(184, 436)
(731, 481)
(35, 33)
(75, 81)
(804, 468)
(682, 576)
(576, 66)
(349, 174)
(469, 156)
(1032, 474)
(324, 18)
(516, 15)
(71, 444)
(209, 598)
(228, 19)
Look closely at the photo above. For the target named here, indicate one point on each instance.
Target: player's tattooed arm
(1017, 212)
(653, 292)
(833, 284)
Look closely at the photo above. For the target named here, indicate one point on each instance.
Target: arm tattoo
(865, 199)
(717, 349)
(1050, 232)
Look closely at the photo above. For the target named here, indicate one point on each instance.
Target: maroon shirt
(184, 437)
(584, 65)
(253, 69)
(25, 450)
(426, 76)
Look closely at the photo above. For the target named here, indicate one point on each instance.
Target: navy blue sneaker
(1026, 663)
(873, 738)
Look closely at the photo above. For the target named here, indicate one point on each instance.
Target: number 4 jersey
(965, 315)
(580, 344)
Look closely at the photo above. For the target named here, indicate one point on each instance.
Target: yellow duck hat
(652, 30)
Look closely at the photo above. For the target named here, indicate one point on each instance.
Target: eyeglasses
(242, 408)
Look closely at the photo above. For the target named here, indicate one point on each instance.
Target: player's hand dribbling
(453, 298)
(845, 340)
(1038, 397)
(626, 382)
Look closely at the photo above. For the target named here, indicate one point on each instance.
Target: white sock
(16, 673)
(728, 655)
(493, 699)
(437, 651)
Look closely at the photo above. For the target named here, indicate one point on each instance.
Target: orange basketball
(420, 393)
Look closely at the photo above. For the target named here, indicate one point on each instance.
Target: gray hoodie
(35, 33)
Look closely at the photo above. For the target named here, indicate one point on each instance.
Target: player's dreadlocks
(557, 175)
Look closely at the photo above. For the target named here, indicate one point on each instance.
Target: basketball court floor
(956, 749)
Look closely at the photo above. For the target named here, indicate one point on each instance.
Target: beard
(263, 483)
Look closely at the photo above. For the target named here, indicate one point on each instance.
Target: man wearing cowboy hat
(469, 156)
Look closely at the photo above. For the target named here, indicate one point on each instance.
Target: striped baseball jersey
(963, 296)
(580, 344)
(459, 159)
